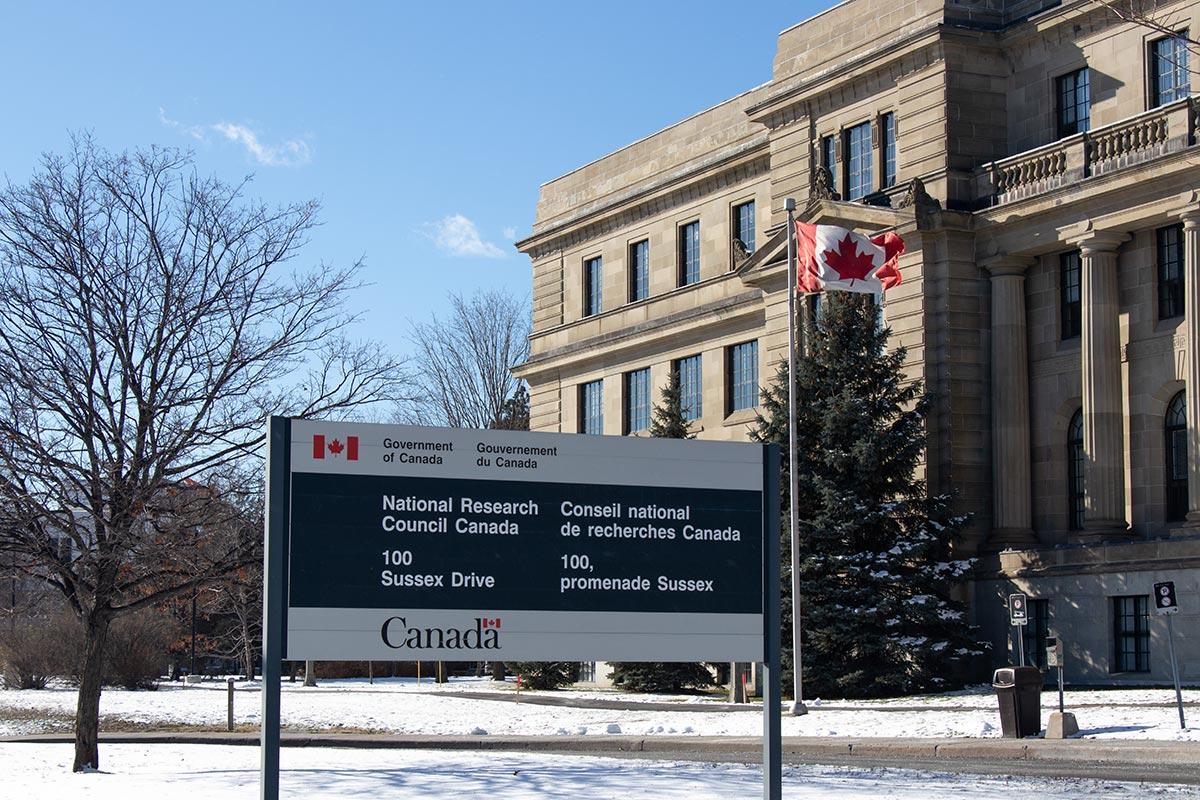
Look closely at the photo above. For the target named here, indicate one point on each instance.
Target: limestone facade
(1047, 186)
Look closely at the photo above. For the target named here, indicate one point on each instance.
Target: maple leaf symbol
(336, 447)
(849, 263)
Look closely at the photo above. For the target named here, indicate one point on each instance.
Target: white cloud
(457, 236)
(194, 131)
(510, 233)
(291, 153)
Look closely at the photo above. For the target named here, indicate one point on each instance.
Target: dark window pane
(1170, 272)
(689, 254)
(592, 282)
(1131, 634)
(591, 408)
(1070, 271)
(1170, 78)
(1175, 445)
(1075, 472)
(743, 376)
(858, 161)
(889, 150)
(639, 271)
(691, 387)
(637, 401)
(743, 225)
(1074, 104)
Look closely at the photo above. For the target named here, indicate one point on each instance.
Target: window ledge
(742, 417)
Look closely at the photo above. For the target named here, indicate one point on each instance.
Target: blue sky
(424, 129)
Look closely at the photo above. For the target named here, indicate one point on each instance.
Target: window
(743, 224)
(1175, 429)
(887, 129)
(1035, 633)
(591, 407)
(637, 401)
(1131, 634)
(1074, 105)
(1170, 272)
(829, 158)
(1075, 472)
(639, 270)
(858, 161)
(691, 387)
(1069, 295)
(1170, 79)
(689, 253)
(592, 285)
(743, 376)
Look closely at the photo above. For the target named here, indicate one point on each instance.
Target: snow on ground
(213, 772)
(216, 772)
(404, 707)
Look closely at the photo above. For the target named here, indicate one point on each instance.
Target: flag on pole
(831, 257)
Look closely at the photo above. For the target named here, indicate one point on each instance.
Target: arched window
(1075, 472)
(1175, 428)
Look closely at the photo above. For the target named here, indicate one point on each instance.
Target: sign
(1164, 598)
(1054, 651)
(413, 543)
(1018, 610)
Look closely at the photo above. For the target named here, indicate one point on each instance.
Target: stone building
(1041, 161)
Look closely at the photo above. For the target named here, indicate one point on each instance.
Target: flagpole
(798, 707)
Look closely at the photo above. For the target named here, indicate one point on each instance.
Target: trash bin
(1019, 693)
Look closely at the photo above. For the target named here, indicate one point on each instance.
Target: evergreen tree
(875, 566)
(544, 674)
(669, 418)
(668, 421)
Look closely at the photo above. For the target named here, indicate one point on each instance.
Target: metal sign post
(1054, 658)
(1165, 604)
(1018, 617)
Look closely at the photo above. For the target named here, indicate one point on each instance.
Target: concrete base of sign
(1061, 726)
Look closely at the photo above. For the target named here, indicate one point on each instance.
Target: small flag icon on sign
(491, 623)
(336, 448)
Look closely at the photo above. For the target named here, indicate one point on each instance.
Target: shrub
(544, 674)
(36, 650)
(136, 651)
(653, 676)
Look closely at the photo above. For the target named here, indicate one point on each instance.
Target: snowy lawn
(402, 706)
(216, 772)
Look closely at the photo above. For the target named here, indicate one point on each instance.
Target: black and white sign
(1018, 610)
(1164, 598)
(409, 543)
(1054, 651)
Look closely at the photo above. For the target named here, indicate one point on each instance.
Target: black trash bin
(1019, 693)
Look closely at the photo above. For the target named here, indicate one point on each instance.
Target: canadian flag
(490, 623)
(336, 448)
(831, 257)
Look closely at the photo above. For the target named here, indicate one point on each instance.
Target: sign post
(436, 544)
(1054, 658)
(1165, 604)
(1018, 617)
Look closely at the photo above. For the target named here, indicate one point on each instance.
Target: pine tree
(875, 569)
(669, 418)
(668, 421)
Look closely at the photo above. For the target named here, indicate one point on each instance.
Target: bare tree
(463, 363)
(1154, 15)
(150, 319)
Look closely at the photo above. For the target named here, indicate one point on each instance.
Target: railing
(1131, 141)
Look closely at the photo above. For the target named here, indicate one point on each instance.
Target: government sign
(415, 543)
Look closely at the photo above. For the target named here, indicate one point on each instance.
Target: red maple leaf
(849, 263)
(336, 447)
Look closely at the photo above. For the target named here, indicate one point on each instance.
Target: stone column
(1103, 410)
(1191, 378)
(1011, 506)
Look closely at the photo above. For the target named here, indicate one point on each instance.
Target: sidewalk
(842, 749)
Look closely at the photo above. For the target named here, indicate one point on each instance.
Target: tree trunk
(310, 673)
(498, 671)
(87, 710)
(247, 650)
